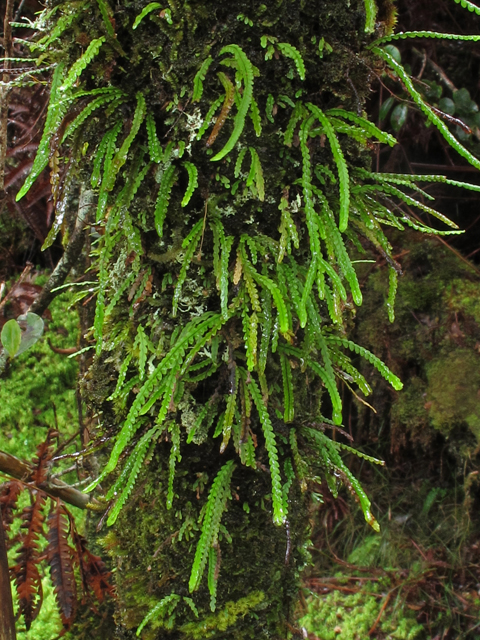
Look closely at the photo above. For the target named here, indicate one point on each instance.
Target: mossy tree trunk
(198, 228)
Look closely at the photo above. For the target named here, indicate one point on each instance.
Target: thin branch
(20, 470)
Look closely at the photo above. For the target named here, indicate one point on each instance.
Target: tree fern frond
(376, 362)
(216, 505)
(289, 51)
(427, 110)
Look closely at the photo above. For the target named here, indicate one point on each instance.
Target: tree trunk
(162, 252)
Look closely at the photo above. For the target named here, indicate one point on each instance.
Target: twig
(7, 617)
(22, 277)
(382, 609)
(5, 91)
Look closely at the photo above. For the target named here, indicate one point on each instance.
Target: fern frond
(310, 215)
(97, 164)
(403, 35)
(190, 243)
(145, 11)
(230, 410)
(165, 606)
(106, 14)
(192, 182)
(88, 110)
(328, 379)
(122, 374)
(289, 51)
(255, 175)
(80, 64)
(288, 395)
(266, 330)
(279, 513)
(365, 125)
(136, 461)
(210, 113)
(346, 366)
(466, 4)
(427, 110)
(109, 153)
(55, 113)
(216, 505)
(154, 146)
(175, 457)
(376, 362)
(121, 156)
(307, 290)
(392, 292)
(163, 198)
(199, 78)
(297, 115)
(370, 15)
(245, 69)
(255, 117)
(339, 161)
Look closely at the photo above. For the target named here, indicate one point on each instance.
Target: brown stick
(7, 618)
(5, 91)
(16, 468)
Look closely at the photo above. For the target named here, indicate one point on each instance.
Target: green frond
(145, 11)
(279, 513)
(269, 108)
(154, 147)
(192, 181)
(339, 161)
(343, 362)
(328, 379)
(121, 156)
(190, 244)
(278, 300)
(265, 330)
(141, 344)
(376, 362)
(427, 110)
(298, 461)
(289, 51)
(163, 198)
(369, 129)
(56, 111)
(216, 505)
(297, 115)
(251, 341)
(245, 68)
(122, 374)
(255, 117)
(106, 14)
(97, 164)
(165, 607)
(403, 35)
(175, 457)
(466, 4)
(307, 291)
(370, 15)
(109, 153)
(306, 180)
(80, 64)
(288, 230)
(136, 459)
(209, 116)
(392, 292)
(360, 454)
(211, 578)
(288, 395)
(199, 78)
(88, 110)
(255, 175)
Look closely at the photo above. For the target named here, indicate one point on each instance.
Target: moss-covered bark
(143, 252)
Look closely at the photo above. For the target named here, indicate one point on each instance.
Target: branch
(16, 468)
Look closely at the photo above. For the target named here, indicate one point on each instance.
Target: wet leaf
(11, 337)
(399, 116)
(385, 108)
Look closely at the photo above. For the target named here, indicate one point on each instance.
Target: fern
(88, 110)
(466, 4)
(160, 610)
(427, 110)
(376, 362)
(163, 198)
(79, 65)
(289, 51)
(255, 176)
(192, 182)
(403, 35)
(106, 13)
(367, 127)
(216, 505)
(154, 146)
(109, 153)
(190, 243)
(175, 457)
(370, 15)
(199, 78)
(55, 113)
(339, 161)
(208, 117)
(245, 70)
(279, 513)
(145, 11)
(288, 395)
(255, 116)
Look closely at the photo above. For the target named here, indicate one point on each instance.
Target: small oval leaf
(33, 331)
(385, 108)
(399, 116)
(11, 337)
